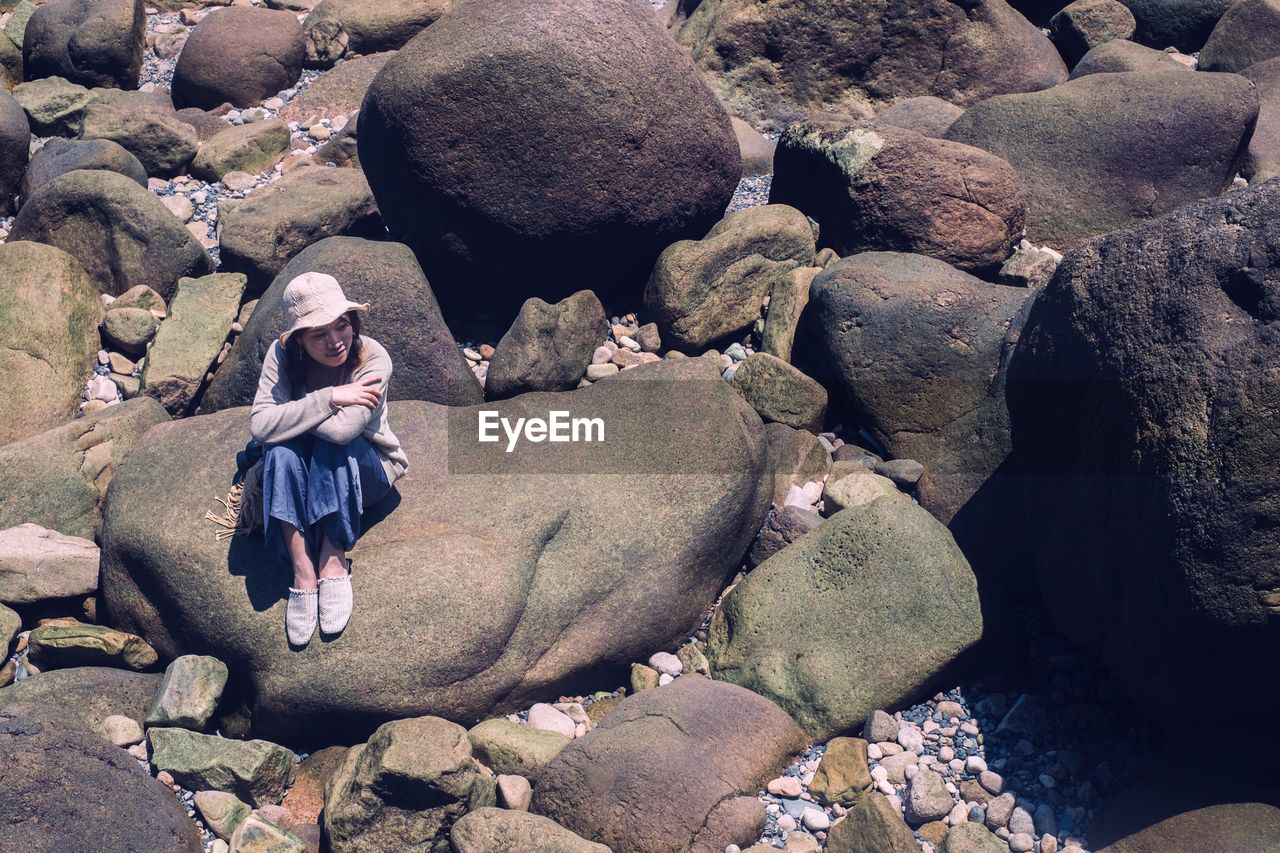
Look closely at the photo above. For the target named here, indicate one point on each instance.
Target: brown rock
(239, 55)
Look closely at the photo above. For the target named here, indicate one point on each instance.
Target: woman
(321, 412)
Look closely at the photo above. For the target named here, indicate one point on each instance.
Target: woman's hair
(299, 361)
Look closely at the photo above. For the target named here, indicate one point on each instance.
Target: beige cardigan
(281, 412)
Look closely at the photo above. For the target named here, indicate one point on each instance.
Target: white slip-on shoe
(300, 615)
(335, 603)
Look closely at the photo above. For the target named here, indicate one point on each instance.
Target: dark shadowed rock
(886, 188)
(1100, 152)
(609, 149)
(1121, 55)
(58, 478)
(366, 26)
(68, 788)
(780, 392)
(548, 347)
(1246, 34)
(59, 156)
(1184, 24)
(119, 232)
(776, 63)
(404, 318)
(521, 605)
(241, 55)
(1085, 24)
(15, 146)
(93, 42)
(1142, 399)
(667, 771)
(798, 628)
(1262, 161)
(925, 114)
(782, 527)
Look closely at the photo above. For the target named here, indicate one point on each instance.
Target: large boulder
(918, 350)
(1085, 24)
(241, 55)
(1262, 160)
(510, 609)
(702, 290)
(404, 789)
(404, 318)
(58, 478)
(548, 347)
(1183, 24)
(888, 188)
(667, 769)
(15, 147)
(252, 148)
(492, 830)
(1142, 398)
(92, 42)
(1246, 34)
(121, 234)
(59, 156)
(49, 315)
(67, 788)
(260, 233)
(338, 28)
(924, 114)
(89, 694)
(776, 63)
(609, 149)
(163, 143)
(847, 619)
(338, 91)
(1100, 152)
(1120, 55)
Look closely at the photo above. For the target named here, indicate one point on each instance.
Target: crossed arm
(337, 414)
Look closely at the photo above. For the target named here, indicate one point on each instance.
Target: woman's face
(329, 345)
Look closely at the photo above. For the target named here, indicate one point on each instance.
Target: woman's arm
(350, 421)
(274, 417)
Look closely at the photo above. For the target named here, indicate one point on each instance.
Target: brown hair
(298, 361)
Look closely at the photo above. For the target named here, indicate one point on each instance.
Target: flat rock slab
(89, 693)
(668, 770)
(254, 770)
(487, 580)
(36, 564)
(190, 338)
(492, 830)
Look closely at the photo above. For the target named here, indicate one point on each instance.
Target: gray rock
(512, 748)
(251, 148)
(54, 106)
(240, 55)
(780, 393)
(880, 727)
(189, 693)
(93, 42)
(59, 156)
(1084, 24)
(15, 143)
(925, 114)
(1120, 55)
(490, 830)
(1246, 34)
(1176, 23)
(254, 770)
(38, 564)
(1262, 161)
(88, 693)
(548, 347)
(927, 798)
(189, 340)
(163, 144)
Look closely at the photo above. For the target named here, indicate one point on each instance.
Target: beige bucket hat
(315, 299)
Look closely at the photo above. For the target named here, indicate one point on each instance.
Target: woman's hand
(363, 393)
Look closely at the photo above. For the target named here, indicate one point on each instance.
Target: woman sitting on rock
(321, 412)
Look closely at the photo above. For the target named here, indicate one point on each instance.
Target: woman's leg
(345, 479)
(285, 470)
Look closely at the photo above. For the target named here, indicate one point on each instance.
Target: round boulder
(1182, 24)
(1246, 34)
(91, 42)
(121, 234)
(59, 156)
(1085, 24)
(404, 318)
(609, 149)
(15, 148)
(891, 189)
(49, 315)
(1262, 161)
(239, 54)
(1121, 55)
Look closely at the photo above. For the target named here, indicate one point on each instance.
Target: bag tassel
(229, 520)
